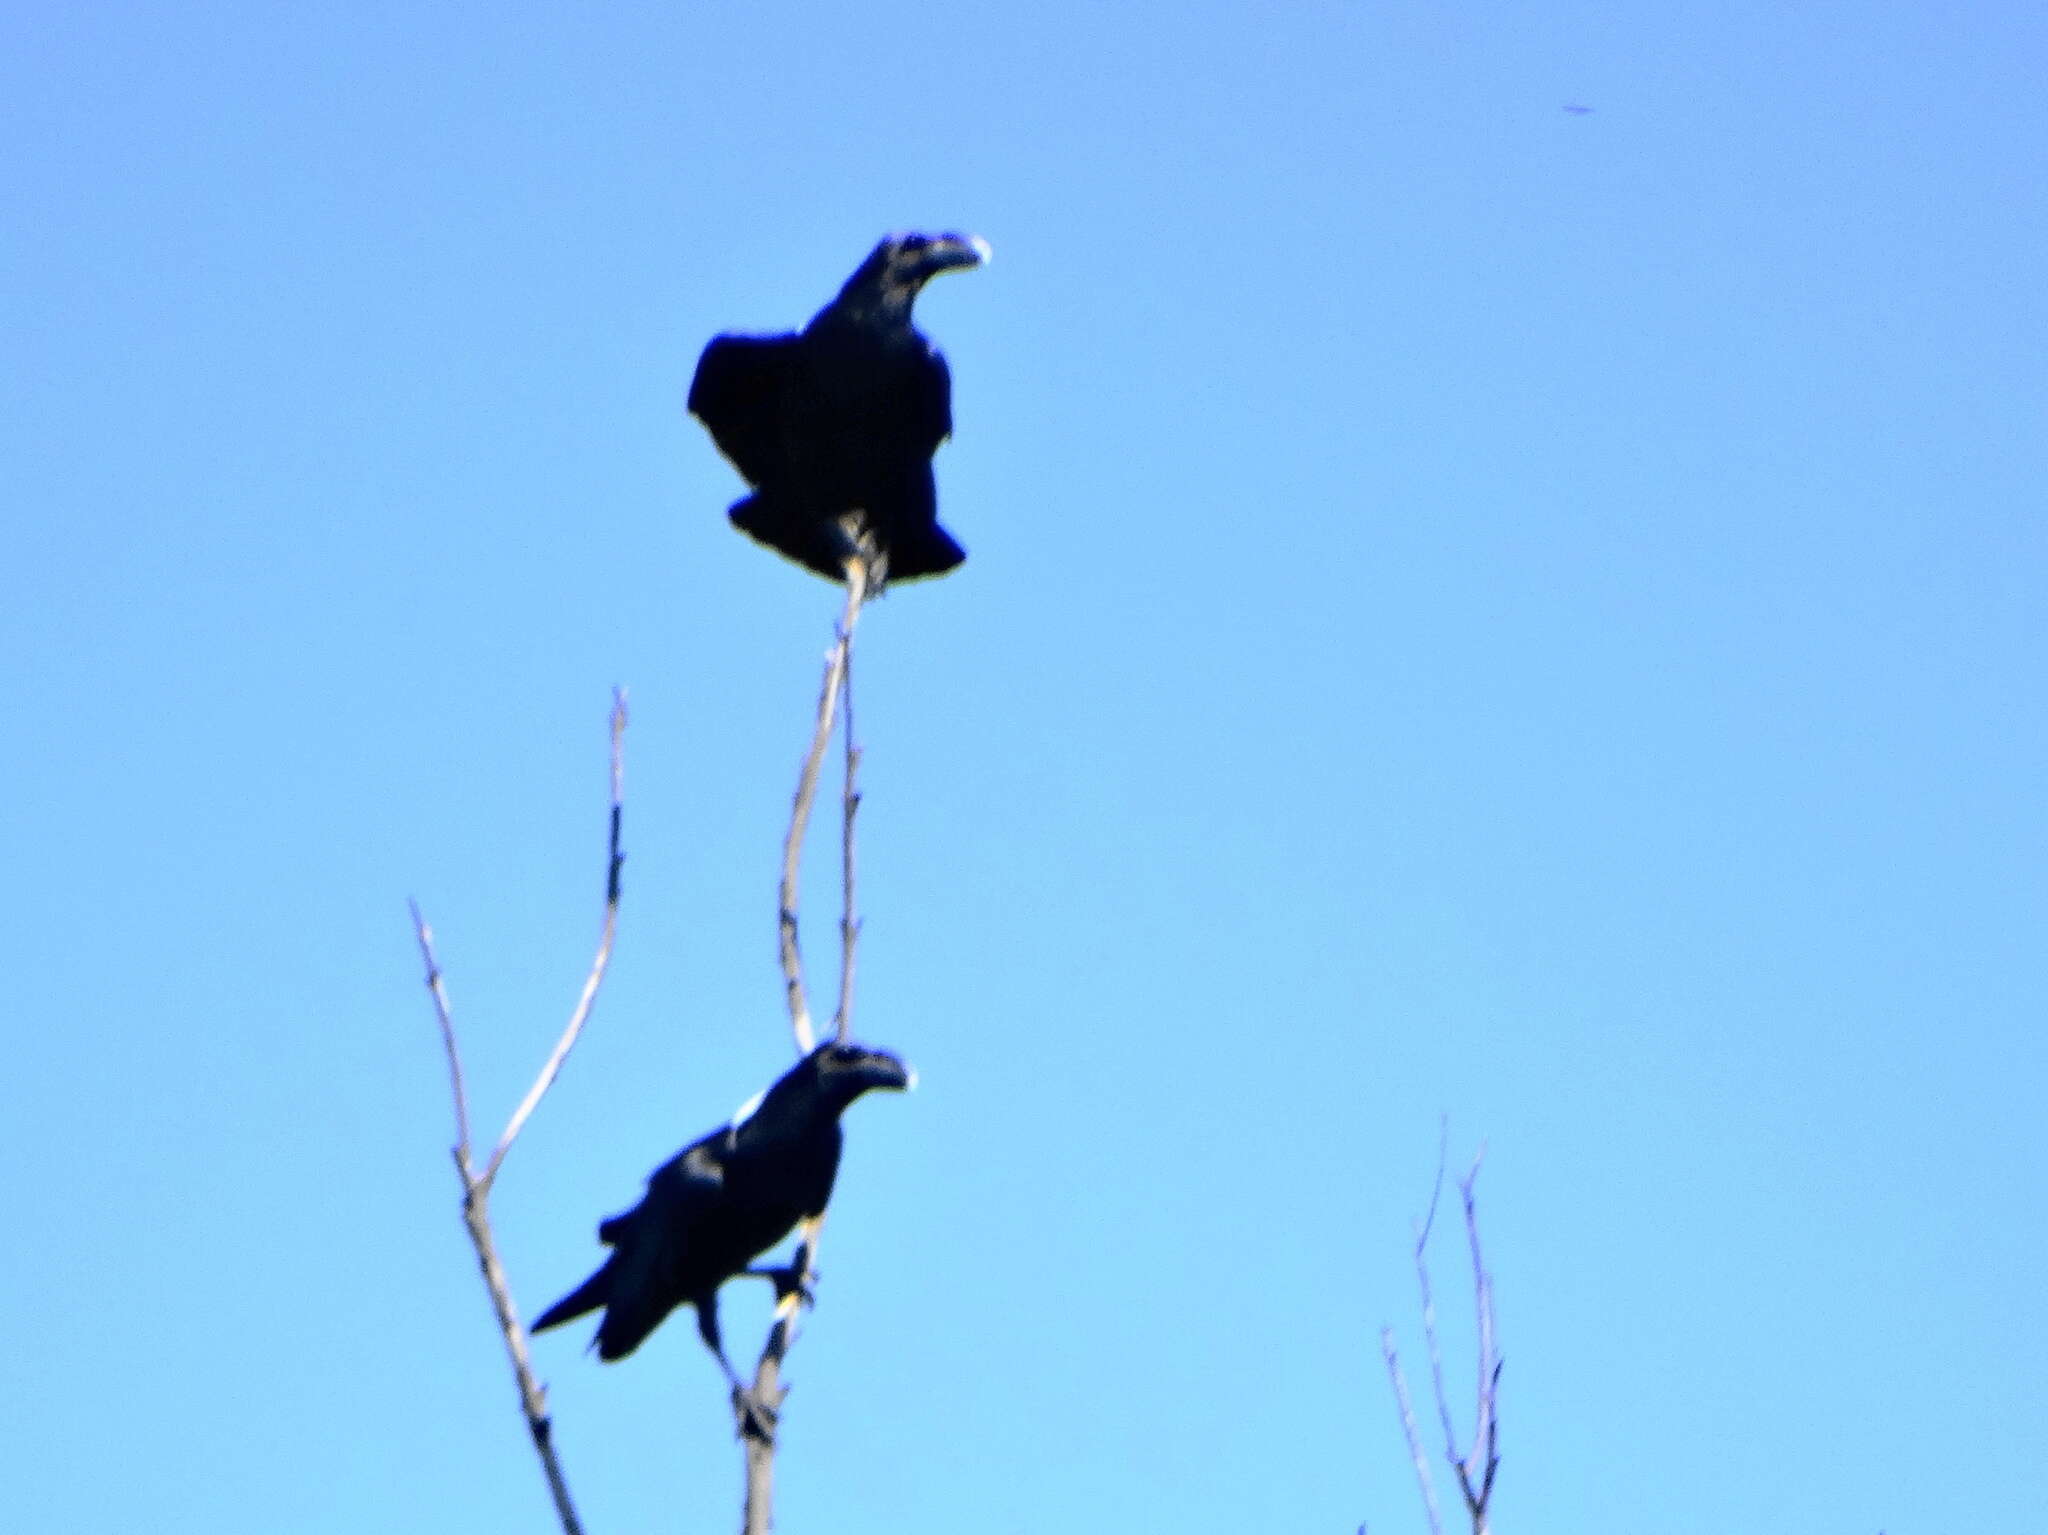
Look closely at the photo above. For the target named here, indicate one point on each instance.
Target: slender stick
(439, 992)
(1436, 1356)
(476, 1188)
(1476, 1471)
(606, 935)
(476, 1220)
(1484, 1461)
(800, 809)
(533, 1401)
(1408, 1429)
(768, 1392)
(849, 807)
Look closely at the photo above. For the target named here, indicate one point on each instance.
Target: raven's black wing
(796, 533)
(905, 505)
(651, 1268)
(739, 392)
(905, 512)
(934, 402)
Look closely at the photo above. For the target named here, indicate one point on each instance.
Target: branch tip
(476, 1187)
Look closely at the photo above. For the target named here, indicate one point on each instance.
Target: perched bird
(842, 418)
(722, 1201)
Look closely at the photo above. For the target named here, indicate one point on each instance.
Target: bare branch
(757, 1516)
(476, 1188)
(606, 935)
(476, 1220)
(439, 992)
(1422, 1476)
(1476, 1471)
(1484, 1461)
(849, 807)
(533, 1400)
(1436, 1357)
(800, 809)
(757, 1513)
(768, 1392)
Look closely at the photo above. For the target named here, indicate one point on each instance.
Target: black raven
(842, 418)
(722, 1201)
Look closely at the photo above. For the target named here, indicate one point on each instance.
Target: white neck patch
(745, 1111)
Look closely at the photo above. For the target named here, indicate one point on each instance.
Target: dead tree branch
(849, 807)
(837, 661)
(757, 1516)
(438, 990)
(476, 1186)
(1422, 1476)
(1436, 1353)
(1476, 1470)
(758, 1512)
(607, 934)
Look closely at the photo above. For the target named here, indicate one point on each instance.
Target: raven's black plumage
(843, 417)
(723, 1200)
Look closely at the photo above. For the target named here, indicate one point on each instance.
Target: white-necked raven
(842, 418)
(721, 1201)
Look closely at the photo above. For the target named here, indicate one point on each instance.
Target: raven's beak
(859, 1068)
(892, 1073)
(951, 252)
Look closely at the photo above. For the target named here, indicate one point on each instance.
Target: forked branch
(476, 1186)
(614, 864)
(1475, 1470)
(838, 668)
(835, 692)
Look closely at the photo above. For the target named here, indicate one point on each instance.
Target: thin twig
(476, 1188)
(800, 809)
(439, 992)
(1484, 1461)
(1422, 1476)
(476, 1220)
(1476, 1471)
(1436, 1357)
(533, 1401)
(849, 807)
(598, 966)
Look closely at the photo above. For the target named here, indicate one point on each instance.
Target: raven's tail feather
(588, 1296)
(925, 551)
(813, 544)
(913, 548)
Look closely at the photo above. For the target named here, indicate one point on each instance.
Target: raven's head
(816, 1090)
(845, 1071)
(898, 268)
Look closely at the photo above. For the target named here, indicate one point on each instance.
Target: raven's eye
(846, 1055)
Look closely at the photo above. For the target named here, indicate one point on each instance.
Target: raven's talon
(755, 1417)
(789, 1280)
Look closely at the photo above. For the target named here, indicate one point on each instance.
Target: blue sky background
(1472, 610)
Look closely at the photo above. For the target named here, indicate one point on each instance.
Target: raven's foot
(859, 544)
(788, 1280)
(756, 1418)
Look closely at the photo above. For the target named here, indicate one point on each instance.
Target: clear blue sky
(1473, 609)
